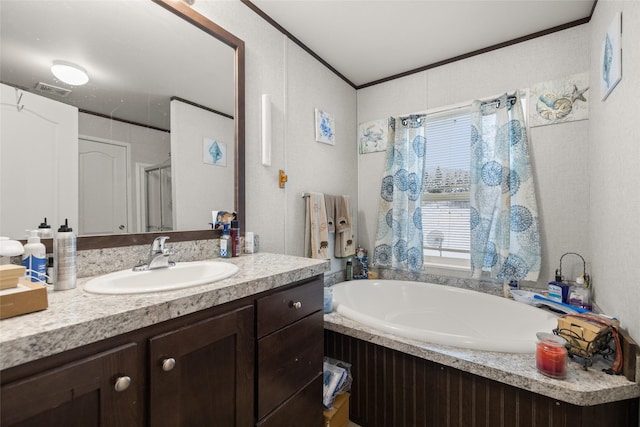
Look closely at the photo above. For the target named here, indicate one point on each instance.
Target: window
(445, 196)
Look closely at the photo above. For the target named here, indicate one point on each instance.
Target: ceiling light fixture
(69, 73)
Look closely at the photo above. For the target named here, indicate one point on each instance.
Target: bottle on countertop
(34, 258)
(225, 242)
(248, 243)
(349, 270)
(558, 290)
(580, 294)
(64, 258)
(44, 230)
(234, 234)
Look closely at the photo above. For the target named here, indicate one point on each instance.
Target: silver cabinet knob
(122, 383)
(297, 305)
(168, 364)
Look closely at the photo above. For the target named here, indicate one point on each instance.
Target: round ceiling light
(69, 73)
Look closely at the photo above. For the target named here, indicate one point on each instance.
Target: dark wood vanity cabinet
(99, 390)
(202, 374)
(253, 361)
(290, 332)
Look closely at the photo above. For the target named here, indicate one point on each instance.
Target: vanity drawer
(281, 308)
(301, 410)
(289, 359)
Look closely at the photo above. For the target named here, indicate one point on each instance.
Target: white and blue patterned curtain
(398, 241)
(505, 238)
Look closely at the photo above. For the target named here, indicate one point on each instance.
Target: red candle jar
(551, 355)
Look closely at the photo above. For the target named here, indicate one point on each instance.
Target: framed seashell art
(611, 68)
(559, 101)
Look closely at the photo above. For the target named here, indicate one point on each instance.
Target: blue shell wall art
(559, 101)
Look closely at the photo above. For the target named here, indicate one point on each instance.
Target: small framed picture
(325, 127)
(611, 55)
(373, 136)
(214, 152)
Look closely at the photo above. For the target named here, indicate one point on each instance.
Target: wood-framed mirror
(205, 28)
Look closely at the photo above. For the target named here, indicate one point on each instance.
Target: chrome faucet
(158, 256)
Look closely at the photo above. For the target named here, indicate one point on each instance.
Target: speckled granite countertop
(584, 388)
(76, 318)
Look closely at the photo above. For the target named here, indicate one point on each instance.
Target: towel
(343, 213)
(316, 228)
(344, 246)
(330, 203)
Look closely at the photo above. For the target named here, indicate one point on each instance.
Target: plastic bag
(337, 379)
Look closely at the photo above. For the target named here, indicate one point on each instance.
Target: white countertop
(76, 318)
(583, 388)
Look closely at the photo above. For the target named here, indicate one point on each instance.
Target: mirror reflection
(147, 144)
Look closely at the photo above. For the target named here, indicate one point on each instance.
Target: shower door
(159, 202)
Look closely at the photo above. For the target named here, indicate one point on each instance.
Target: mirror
(214, 93)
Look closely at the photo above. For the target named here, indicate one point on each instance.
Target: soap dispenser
(34, 258)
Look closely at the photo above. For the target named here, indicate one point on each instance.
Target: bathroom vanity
(243, 351)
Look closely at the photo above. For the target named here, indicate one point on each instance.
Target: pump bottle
(34, 258)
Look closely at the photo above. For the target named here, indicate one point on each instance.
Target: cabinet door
(202, 374)
(101, 390)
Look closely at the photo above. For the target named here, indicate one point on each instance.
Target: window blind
(445, 198)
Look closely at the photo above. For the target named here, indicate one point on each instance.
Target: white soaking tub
(443, 314)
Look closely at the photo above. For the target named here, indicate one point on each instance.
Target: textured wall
(559, 152)
(574, 162)
(614, 172)
(296, 83)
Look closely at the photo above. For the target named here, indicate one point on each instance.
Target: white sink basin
(182, 275)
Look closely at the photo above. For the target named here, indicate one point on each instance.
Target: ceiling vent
(52, 90)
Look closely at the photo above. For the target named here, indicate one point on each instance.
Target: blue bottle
(34, 258)
(225, 242)
(559, 291)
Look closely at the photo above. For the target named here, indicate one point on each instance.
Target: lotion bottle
(34, 258)
(64, 258)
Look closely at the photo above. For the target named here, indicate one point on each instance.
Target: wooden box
(27, 297)
(10, 274)
(580, 332)
(338, 416)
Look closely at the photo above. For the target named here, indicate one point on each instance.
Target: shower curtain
(505, 238)
(398, 242)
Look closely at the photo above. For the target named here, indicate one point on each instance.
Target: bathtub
(443, 314)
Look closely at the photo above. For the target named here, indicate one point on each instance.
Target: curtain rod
(305, 195)
(511, 100)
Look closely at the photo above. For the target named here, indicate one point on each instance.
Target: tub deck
(582, 388)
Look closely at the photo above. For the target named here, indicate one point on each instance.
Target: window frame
(447, 262)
